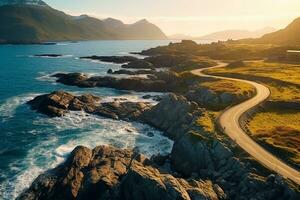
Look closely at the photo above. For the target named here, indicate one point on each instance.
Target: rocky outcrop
(112, 59)
(207, 155)
(156, 82)
(197, 154)
(48, 55)
(175, 115)
(167, 61)
(138, 64)
(208, 98)
(59, 103)
(114, 174)
(132, 83)
(130, 72)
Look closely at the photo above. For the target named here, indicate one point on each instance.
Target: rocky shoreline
(203, 164)
(201, 161)
(109, 173)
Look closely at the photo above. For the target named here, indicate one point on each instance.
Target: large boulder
(174, 114)
(114, 174)
(195, 153)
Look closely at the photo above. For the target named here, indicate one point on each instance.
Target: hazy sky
(193, 17)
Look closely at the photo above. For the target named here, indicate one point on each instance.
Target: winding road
(230, 121)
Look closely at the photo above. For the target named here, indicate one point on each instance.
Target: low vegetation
(229, 50)
(207, 121)
(227, 86)
(280, 131)
(282, 79)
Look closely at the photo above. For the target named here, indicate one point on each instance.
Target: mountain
(287, 36)
(23, 2)
(27, 21)
(236, 34)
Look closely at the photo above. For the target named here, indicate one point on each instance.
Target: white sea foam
(48, 77)
(94, 131)
(139, 56)
(8, 108)
(26, 170)
(101, 62)
(107, 131)
(136, 97)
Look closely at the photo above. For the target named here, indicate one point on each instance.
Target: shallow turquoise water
(32, 143)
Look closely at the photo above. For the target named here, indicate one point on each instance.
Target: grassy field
(282, 79)
(280, 130)
(233, 87)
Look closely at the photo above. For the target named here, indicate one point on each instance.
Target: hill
(236, 34)
(287, 36)
(34, 21)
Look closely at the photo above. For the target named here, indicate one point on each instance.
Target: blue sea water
(31, 143)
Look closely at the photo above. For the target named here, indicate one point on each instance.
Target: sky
(190, 17)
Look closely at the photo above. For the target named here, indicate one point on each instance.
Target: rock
(213, 100)
(133, 83)
(77, 79)
(147, 96)
(160, 160)
(191, 154)
(59, 103)
(172, 115)
(129, 72)
(138, 64)
(110, 173)
(54, 104)
(112, 59)
(48, 55)
(63, 182)
(110, 71)
(166, 61)
(150, 134)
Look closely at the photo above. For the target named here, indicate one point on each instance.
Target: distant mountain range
(234, 34)
(30, 21)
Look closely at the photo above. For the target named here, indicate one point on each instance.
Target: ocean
(32, 143)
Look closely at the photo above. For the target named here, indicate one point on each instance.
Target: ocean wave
(27, 169)
(48, 77)
(8, 108)
(102, 131)
(136, 97)
(100, 62)
(79, 128)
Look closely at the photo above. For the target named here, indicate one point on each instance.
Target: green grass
(280, 130)
(228, 86)
(207, 121)
(282, 79)
(194, 62)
